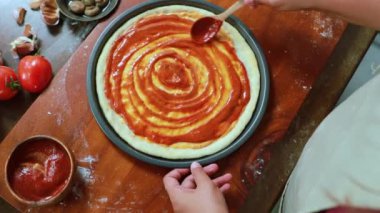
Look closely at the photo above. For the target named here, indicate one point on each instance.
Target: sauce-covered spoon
(204, 29)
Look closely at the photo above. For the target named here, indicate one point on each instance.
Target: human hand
(197, 192)
(283, 4)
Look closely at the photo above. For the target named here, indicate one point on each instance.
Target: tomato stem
(13, 84)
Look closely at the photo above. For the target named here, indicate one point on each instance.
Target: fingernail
(195, 165)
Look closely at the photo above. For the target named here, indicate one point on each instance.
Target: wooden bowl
(25, 158)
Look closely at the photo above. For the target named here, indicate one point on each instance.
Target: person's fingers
(221, 180)
(225, 187)
(188, 182)
(171, 180)
(200, 176)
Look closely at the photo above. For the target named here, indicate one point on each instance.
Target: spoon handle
(237, 5)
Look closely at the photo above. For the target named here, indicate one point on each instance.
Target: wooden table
(299, 47)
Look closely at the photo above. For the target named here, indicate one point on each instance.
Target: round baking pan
(123, 145)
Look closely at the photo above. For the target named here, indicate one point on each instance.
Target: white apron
(340, 164)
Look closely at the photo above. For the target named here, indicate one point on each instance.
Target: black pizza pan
(123, 145)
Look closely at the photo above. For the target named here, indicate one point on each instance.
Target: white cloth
(340, 164)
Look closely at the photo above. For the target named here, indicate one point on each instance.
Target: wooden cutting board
(297, 46)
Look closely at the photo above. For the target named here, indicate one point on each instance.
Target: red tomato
(9, 85)
(35, 73)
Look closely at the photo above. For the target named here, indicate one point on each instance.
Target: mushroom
(77, 7)
(101, 3)
(92, 10)
(89, 2)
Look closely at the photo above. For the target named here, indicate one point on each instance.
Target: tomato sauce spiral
(170, 89)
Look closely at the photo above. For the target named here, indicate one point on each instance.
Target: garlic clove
(92, 10)
(89, 2)
(77, 7)
(50, 12)
(101, 3)
(35, 4)
(19, 15)
(28, 32)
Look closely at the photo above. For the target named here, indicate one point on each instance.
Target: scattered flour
(119, 201)
(325, 25)
(80, 136)
(89, 159)
(303, 85)
(102, 200)
(60, 119)
(86, 175)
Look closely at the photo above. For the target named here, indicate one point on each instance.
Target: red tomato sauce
(162, 62)
(39, 169)
(205, 29)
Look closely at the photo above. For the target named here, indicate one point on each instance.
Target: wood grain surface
(297, 46)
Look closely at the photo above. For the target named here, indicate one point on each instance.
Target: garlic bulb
(23, 46)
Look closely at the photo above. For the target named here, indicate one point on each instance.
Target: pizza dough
(154, 78)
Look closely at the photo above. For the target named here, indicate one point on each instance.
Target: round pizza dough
(181, 150)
